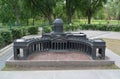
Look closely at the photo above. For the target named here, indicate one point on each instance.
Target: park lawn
(93, 21)
(76, 22)
(113, 44)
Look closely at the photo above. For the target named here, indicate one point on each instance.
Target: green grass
(75, 22)
(113, 45)
(84, 21)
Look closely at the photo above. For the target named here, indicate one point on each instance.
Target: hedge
(1, 42)
(32, 30)
(100, 27)
(71, 28)
(24, 31)
(47, 29)
(16, 33)
(7, 37)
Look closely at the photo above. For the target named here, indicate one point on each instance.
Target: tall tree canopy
(45, 7)
(90, 7)
(71, 6)
(20, 11)
(6, 11)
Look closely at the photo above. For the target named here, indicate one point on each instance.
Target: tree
(71, 6)
(90, 7)
(24, 13)
(58, 11)
(16, 10)
(6, 11)
(111, 9)
(45, 7)
(101, 14)
(117, 3)
(30, 10)
(9, 11)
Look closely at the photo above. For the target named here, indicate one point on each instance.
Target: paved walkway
(62, 74)
(5, 53)
(113, 57)
(101, 34)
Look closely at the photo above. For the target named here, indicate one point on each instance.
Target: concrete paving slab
(110, 35)
(113, 57)
(101, 34)
(61, 74)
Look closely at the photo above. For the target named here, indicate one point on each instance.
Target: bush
(72, 27)
(24, 31)
(32, 30)
(1, 42)
(7, 37)
(100, 27)
(66, 28)
(16, 33)
(47, 29)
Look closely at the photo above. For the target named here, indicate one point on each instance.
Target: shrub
(100, 27)
(47, 29)
(1, 42)
(24, 31)
(16, 33)
(72, 27)
(7, 37)
(66, 27)
(32, 30)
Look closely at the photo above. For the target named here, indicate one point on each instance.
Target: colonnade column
(94, 52)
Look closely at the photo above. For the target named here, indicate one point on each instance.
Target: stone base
(58, 63)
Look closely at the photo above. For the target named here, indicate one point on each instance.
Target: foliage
(66, 27)
(102, 27)
(6, 11)
(90, 7)
(16, 33)
(71, 6)
(71, 27)
(19, 12)
(1, 42)
(7, 37)
(112, 9)
(59, 10)
(24, 31)
(47, 29)
(32, 30)
(45, 7)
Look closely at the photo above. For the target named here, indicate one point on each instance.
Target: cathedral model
(58, 41)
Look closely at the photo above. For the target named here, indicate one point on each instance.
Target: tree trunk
(16, 11)
(118, 19)
(33, 22)
(68, 11)
(50, 19)
(89, 18)
(27, 22)
(69, 19)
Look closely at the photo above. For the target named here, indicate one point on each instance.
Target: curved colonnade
(22, 49)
